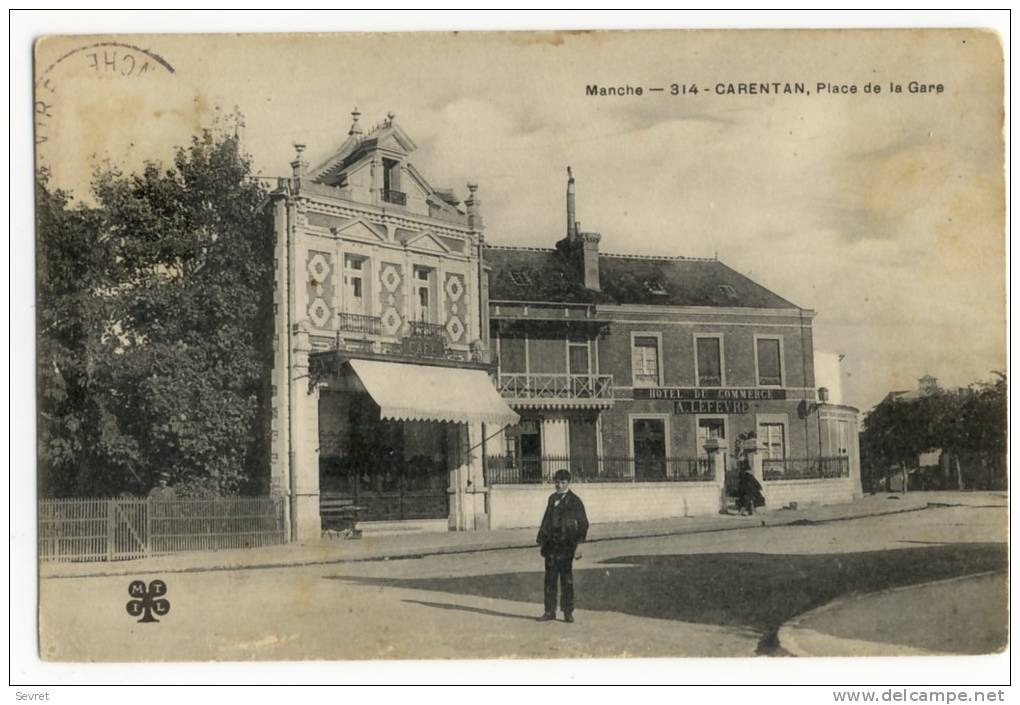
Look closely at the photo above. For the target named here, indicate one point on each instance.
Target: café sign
(706, 400)
(423, 346)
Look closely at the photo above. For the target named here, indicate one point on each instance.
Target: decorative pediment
(428, 242)
(361, 229)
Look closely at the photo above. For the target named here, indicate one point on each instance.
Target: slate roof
(533, 274)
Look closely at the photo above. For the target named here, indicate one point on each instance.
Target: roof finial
(355, 127)
(390, 117)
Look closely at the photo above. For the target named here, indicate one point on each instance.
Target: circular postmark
(76, 91)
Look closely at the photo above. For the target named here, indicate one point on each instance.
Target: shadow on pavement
(475, 610)
(755, 591)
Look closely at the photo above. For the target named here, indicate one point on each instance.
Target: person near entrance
(564, 527)
(749, 495)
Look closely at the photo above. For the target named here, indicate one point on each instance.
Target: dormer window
(391, 192)
(520, 277)
(655, 287)
(728, 291)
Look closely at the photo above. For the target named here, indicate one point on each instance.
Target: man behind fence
(163, 490)
(564, 526)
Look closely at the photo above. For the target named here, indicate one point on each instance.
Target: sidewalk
(961, 615)
(397, 546)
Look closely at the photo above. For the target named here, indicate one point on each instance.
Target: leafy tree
(969, 423)
(156, 327)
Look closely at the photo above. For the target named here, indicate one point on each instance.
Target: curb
(792, 636)
(472, 548)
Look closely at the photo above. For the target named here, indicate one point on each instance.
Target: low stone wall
(517, 506)
(780, 493)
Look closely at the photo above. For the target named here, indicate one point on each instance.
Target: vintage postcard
(521, 345)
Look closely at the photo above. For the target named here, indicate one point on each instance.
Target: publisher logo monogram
(148, 600)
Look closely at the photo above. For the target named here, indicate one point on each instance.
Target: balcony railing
(555, 386)
(425, 329)
(806, 468)
(512, 470)
(359, 323)
(396, 197)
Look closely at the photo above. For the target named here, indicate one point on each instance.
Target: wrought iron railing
(555, 386)
(397, 197)
(806, 468)
(359, 323)
(513, 470)
(89, 529)
(425, 329)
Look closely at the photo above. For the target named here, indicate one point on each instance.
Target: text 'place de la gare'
(425, 374)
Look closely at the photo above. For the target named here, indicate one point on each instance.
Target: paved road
(721, 594)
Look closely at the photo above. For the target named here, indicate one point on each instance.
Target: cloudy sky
(883, 213)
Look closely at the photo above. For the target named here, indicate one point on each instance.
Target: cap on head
(164, 476)
(562, 474)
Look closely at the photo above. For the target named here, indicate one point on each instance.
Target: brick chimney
(589, 247)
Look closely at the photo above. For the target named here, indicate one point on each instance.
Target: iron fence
(806, 468)
(90, 529)
(513, 470)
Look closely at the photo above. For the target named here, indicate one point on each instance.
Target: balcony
(359, 323)
(552, 390)
(398, 198)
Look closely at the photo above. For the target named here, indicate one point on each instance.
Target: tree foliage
(155, 326)
(967, 423)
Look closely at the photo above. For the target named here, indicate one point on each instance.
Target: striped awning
(406, 392)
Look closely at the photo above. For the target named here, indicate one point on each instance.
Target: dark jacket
(749, 489)
(565, 523)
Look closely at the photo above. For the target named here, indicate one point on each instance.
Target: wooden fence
(88, 529)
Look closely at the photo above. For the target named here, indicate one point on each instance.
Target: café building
(382, 385)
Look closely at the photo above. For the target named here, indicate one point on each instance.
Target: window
(520, 277)
(709, 361)
(579, 357)
(648, 439)
(354, 284)
(728, 291)
(769, 361)
(512, 357)
(655, 287)
(710, 427)
(423, 293)
(772, 436)
(645, 361)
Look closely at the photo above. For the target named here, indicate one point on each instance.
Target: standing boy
(564, 526)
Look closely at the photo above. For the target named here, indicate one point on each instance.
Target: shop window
(709, 361)
(768, 353)
(645, 361)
